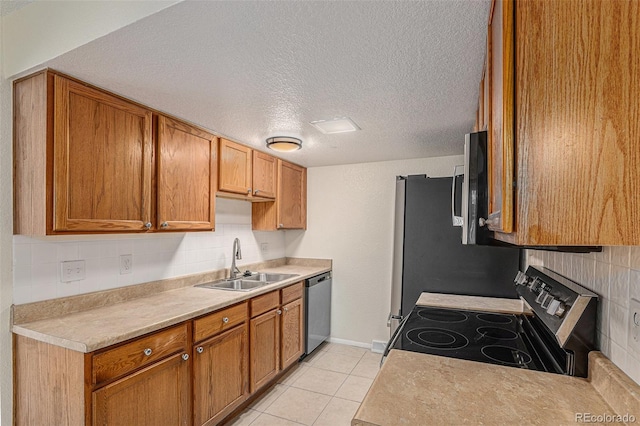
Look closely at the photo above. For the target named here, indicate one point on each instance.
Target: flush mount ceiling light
(284, 143)
(337, 125)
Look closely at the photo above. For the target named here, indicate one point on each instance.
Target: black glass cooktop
(475, 336)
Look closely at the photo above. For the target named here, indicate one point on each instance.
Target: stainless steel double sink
(248, 283)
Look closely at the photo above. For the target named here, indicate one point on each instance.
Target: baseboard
(349, 342)
(376, 346)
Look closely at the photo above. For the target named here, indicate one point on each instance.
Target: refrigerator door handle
(393, 317)
(457, 220)
(393, 339)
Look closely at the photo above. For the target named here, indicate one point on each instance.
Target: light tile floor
(324, 389)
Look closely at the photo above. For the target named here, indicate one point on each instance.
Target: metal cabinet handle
(280, 225)
(248, 190)
(185, 356)
(164, 225)
(225, 320)
(147, 225)
(286, 309)
(256, 191)
(199, 349)
(148, 351)
(279, 312)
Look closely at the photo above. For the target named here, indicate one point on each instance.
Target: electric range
(555, 336)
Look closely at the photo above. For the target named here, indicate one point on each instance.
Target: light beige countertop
(418, 389)
(473, 303)
(99, 327)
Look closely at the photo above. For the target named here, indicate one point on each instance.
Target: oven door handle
(393, 339)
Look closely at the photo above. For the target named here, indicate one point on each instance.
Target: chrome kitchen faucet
(237, 254)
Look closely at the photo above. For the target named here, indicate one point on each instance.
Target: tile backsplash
(37, 268)
(614, 274)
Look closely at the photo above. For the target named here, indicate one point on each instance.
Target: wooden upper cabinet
(102, 161)
(187, 173)
(235, 168)
(265, 172)
(82, 159)
(500, 67)
(289, 211)
(563, 122)
(292, 196)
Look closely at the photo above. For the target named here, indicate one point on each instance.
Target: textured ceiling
(406, 72)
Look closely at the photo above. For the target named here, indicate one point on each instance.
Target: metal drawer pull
(199, 349)
(147, 351)
(164, 225)
(278, 312)
(225, 320)
(147, 225)
(286, 309)
(185, 356)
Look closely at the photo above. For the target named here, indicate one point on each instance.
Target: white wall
(350, 219)
(36, 269)
(44, 30)
(6, 202)
(28, 37)
(614, 275)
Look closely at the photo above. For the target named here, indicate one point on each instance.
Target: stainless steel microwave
(469, 191)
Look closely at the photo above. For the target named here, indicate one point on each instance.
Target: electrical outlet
(634, 325)
(264, 247)
(72, 271)
(126, 264)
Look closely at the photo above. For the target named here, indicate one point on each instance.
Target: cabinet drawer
(264, 303)
(140, 352)
(291, 293)
(219, 321)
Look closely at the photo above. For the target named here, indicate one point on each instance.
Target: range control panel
(556, 300)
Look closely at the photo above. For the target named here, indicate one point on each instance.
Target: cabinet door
(292, 343)
(265, 348)
(187, 162)
(102, 161)
(235, 168)
(501, 116)
(265, 170)
(158, 395)
(221, 375)
(292, 196)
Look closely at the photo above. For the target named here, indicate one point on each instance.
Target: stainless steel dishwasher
(317, 310)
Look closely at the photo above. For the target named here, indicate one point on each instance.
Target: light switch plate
(634, 325)
(73, 270)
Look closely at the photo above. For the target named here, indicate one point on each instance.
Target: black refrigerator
(428, 253)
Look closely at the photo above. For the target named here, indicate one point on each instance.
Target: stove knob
(540, 299)
(521, 278)
(533, 286)
(556, 308)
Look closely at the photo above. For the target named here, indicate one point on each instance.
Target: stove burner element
(495, 318)
(495, 333)
(508, 356)
(441, 315)
(437, 338)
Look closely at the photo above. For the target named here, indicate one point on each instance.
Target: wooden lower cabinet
(197, 372)
(292, 333)
(220, 375)
(157, 395)
(265, 348)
